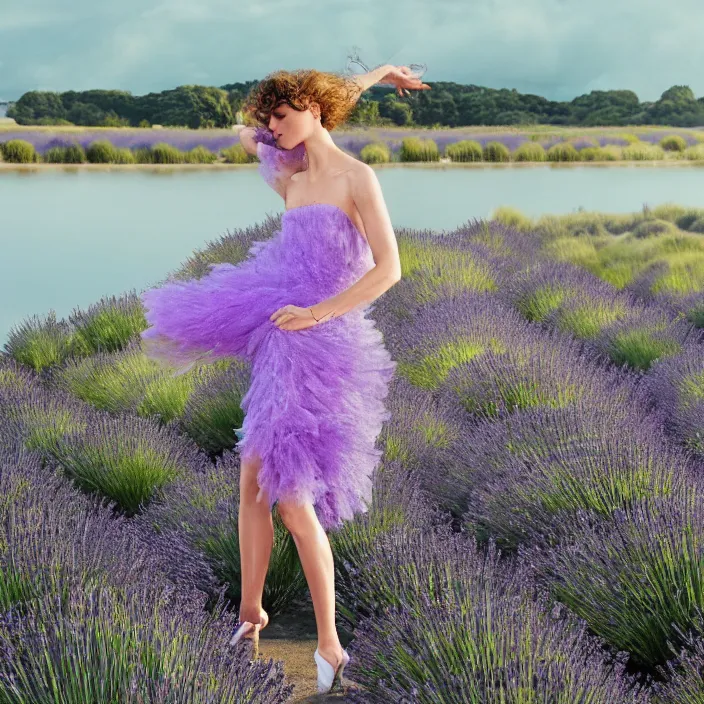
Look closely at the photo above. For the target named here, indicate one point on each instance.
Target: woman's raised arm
(246, 135)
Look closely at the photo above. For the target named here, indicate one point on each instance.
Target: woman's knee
(298, 518)
(249, 468)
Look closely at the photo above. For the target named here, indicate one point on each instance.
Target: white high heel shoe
(327, 676)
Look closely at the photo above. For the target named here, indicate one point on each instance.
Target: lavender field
(630, 143)
(537, 528)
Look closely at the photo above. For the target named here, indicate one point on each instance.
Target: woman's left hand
(402, 77)
(293, 318)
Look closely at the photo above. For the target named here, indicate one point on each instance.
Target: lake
(73, 235)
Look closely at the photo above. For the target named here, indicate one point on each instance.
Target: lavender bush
(536, 469)
(634, 576)
(676, 385)
(685, 672)
(460, 627)
(162, 647)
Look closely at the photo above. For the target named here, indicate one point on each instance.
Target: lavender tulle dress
(315, 405)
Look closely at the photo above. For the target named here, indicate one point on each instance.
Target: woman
(297, 309)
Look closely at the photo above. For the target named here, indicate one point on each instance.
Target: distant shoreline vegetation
(150, 146)
(448, 104)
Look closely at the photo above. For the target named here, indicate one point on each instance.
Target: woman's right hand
(403, 78)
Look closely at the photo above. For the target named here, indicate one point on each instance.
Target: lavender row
(217, 140)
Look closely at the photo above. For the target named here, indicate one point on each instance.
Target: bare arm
(369, 200)
(369, 79)
(246, 135)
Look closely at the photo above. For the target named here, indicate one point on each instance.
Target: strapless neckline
(336, 208)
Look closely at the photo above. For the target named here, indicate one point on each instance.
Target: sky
(558, 49)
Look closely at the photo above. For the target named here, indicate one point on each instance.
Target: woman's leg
(316, 559)
(256, 534)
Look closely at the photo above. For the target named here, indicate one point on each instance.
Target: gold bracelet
(314, 318)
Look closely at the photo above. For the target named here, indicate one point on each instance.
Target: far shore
(443, 163)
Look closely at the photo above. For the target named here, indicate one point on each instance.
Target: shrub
(530, 151)
(629, 137)
(124, 155)
(564, 151)
(163, 153)
(673, 143)
(496, 151)
(643, 152)
(416, 149)
(236, 154)
(200, 155)
(101, 152)
(590, 154)
(695, 152)
(612, 152)
(512, 217)
(19, 151)
(129, 644)
(143, 155)
(631, 577)
(464, 150)
(650, 228)
(697, 226)
(71, 154)
(375, 153)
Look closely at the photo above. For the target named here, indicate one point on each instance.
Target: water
(72, 236)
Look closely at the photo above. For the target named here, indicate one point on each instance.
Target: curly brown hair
(336, 94)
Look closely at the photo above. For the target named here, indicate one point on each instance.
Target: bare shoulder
(363, 181)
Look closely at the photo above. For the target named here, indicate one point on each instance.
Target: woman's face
(290, 126)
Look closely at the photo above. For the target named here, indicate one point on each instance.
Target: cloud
(555, 48)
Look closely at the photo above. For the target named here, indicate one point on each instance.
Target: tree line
(448, 104)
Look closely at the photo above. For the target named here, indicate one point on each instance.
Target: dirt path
(292, 638)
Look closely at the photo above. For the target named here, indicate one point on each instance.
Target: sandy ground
(292, 638)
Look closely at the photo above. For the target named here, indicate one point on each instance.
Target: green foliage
(651, 228)
(163, 153)
(40, 343)
(143, 155)
(529, 151)
(564, 151)
(200, 155)
(190, 106)
(643, 152)
(608, 153)
(19, 151)
(71, 154)
(629, 137)
(673, 143)
(124, 155)
(695, 152)
(496, 151)
(101, 152)
(639, 348)
(417, 149)
(464, 150)
(375, 153)
(236, 154)
(447, 105)
(395, 111)
(512, 217)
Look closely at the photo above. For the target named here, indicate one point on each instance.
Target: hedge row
(104, 152)
(413, 149)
